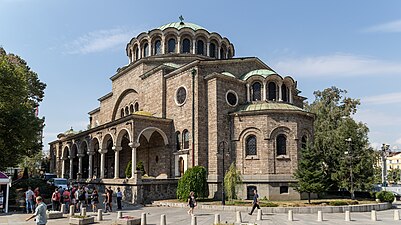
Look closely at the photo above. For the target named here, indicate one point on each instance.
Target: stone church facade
(185, 100)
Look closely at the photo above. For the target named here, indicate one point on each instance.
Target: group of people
(76, 195)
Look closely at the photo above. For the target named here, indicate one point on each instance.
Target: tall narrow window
(131, 109)
(229, 53)
(146, 50)
(158, 47)
(304, 140)
(222, 53)
(250, 145)
(272, 91)
(281, 144)
(137, 53)
(284, 93)
(200, 47)
(171, 45)
(136, 106)
(126, 111)
(212, 50)
(178, 140)
(256, 91)
(186, 45)
(122, 113)
(185, 136)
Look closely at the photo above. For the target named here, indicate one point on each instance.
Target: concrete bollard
(290, 215)
(193, 220)
(347, 216)
(62, 209)
(373, 215)
(216, 218)
(72, 210)
(99, 214)
(239, 218)
(119, 214)
(163, 219)
(83, 211)
(319, 216)
(143, 219)
(259, 216)
(396, 215)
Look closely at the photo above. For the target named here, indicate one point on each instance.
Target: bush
(139, 166)
(385, 196)
(194, 179)
(338, 203)
(268, 204)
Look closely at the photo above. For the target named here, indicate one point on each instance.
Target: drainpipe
(193, 116)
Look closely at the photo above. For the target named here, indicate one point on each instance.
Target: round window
(231, 98)
(181, 95)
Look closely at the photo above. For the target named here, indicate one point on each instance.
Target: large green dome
(180, 25)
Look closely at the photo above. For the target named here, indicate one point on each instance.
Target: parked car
(48, 176)
(397, 195)
(58, 182)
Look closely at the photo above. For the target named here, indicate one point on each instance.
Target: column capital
(103, 150)
(81, 155)
(117, 148)
(91, 153)
(134, 145)
(71, 156)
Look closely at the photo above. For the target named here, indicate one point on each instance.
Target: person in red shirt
(66, 198)
(56, 200)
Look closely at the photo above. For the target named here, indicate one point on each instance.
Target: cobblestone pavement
(179, 216)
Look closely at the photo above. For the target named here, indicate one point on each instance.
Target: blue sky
(76, 46)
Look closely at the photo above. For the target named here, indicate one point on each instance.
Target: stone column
(134, 146)
(63, 167)
(163, 50)
(178, 44)
(90, 169)
(80, 156)
(218, 52)
(149, 47)
(71, 166)
(264, 91)
(132, 54)
(248, 93)
(280, 93)
(139, 51)
(193, 46)
(102, 161)
(208, 49)
(290, 95)
(117, 150)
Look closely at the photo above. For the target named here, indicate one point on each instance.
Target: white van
(59, 182)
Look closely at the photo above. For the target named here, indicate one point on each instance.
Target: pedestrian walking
(105, 203)
(81, 198)
(255, 203)
(119, 198)
(109, 196)
(191, 203)
(56, 200)
(66, 197)
(40, 212)
(29, 200)
(95, 200)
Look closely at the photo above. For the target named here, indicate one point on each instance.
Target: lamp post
(384, 152)
(222, 148)
(349, 140)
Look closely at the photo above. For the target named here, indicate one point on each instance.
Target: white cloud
(100, 40)
(398, 141)
(389, 27)
(390, 98)
(338, 64)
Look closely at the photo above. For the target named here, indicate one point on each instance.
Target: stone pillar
(134, 146)
(264, 91)
(80, 156)
(193, 46)
(178, 44)
(248, 93)
(102, 161)
(218, 52)
(163, 45)
(280, 93)
(139, 52)
(71, 166)
(117, 150)
(63, 167)
(149, 47)
(208, 49)
(132, 54)
(90, 169)
(290, 94)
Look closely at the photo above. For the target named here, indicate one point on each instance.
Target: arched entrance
(74, 151)
(181, 166)
(96, 158)
(66, 158)
(125, 155)
(109, 157)
(85, 160)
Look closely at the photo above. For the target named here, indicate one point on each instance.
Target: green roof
(180, 25)
(268, 106)
(173, 65)
(228, 74)
(263, 72)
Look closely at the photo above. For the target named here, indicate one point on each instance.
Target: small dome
(263, 72)
(180, 25)
(70, 132)
(228, 74)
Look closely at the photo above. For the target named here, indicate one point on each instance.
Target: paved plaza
(179, 216)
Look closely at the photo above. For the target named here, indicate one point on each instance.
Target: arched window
(281, 144)
(250, 145)
(178, 140)
(229, 53)
(212, 50)
(146, 50)
(186, 45)
(137, 53)
(171, 45)
(256, 91)
(185, 137)
(136, 106)
(131, 108)
(284, 93)
(304, 140)
(158, 47)
(222, 53)
(126, 110)
(122, 113)
(272, 91)
(200, 47)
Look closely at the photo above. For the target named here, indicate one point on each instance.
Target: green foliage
(333, 125)
(33, 163)
(310, 174)
(385, 196)
(268, 204)
(20, 93)
(194, 179)
(232, 180)
(22, 185)
(342, 202)
(139, 166)
(393, 175)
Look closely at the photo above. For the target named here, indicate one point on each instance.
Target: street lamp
(384, 153)
(221, 149)
(349, 140)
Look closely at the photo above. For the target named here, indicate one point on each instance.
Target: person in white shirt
(40, 212)
(29, 197)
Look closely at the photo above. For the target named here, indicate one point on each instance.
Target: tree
(394, 175)
(232, 180)
(311, 174)
(33, 163)
(20, 94)
(194, 179)
(333, 125)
